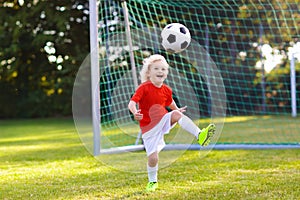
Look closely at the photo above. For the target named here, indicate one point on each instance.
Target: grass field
(243, 129)
(45, 159)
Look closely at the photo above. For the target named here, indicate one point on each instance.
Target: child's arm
(173, 106)
(136, 113)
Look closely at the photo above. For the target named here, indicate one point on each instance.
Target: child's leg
(152, 167)
(186, 123)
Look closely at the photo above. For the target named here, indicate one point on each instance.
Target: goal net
(240, 71)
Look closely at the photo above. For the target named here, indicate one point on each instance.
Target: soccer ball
(175, 37)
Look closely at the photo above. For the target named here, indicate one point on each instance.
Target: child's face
(157, 73)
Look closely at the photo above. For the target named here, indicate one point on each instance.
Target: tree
(44, 43)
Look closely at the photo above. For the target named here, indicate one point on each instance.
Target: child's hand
(137, 115)
(183, 109)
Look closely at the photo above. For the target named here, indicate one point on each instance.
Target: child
(152, 97)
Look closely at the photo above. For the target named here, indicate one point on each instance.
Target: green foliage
(278, 95)
(44, 42)
(35, 85)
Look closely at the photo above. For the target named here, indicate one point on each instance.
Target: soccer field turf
(45, 159)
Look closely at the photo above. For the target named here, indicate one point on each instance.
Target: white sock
(152, 173)
(188, 125)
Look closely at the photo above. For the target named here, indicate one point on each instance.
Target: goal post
(233, 73)
(94, 64)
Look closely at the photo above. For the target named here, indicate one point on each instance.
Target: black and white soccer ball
(175, 37)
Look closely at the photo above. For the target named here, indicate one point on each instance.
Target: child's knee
(153, 159)
(176, 115)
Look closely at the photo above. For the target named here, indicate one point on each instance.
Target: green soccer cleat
(151, 186)
(205, 135)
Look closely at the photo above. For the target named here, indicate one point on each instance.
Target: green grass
(261, 129)
(45, 159)
(243, 129)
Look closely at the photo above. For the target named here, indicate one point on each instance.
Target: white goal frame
(95, 97)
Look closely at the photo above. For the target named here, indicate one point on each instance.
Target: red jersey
(152, 102)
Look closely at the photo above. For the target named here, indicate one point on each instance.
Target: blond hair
(147, 63)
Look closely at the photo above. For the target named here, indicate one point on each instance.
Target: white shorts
(154, 138)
